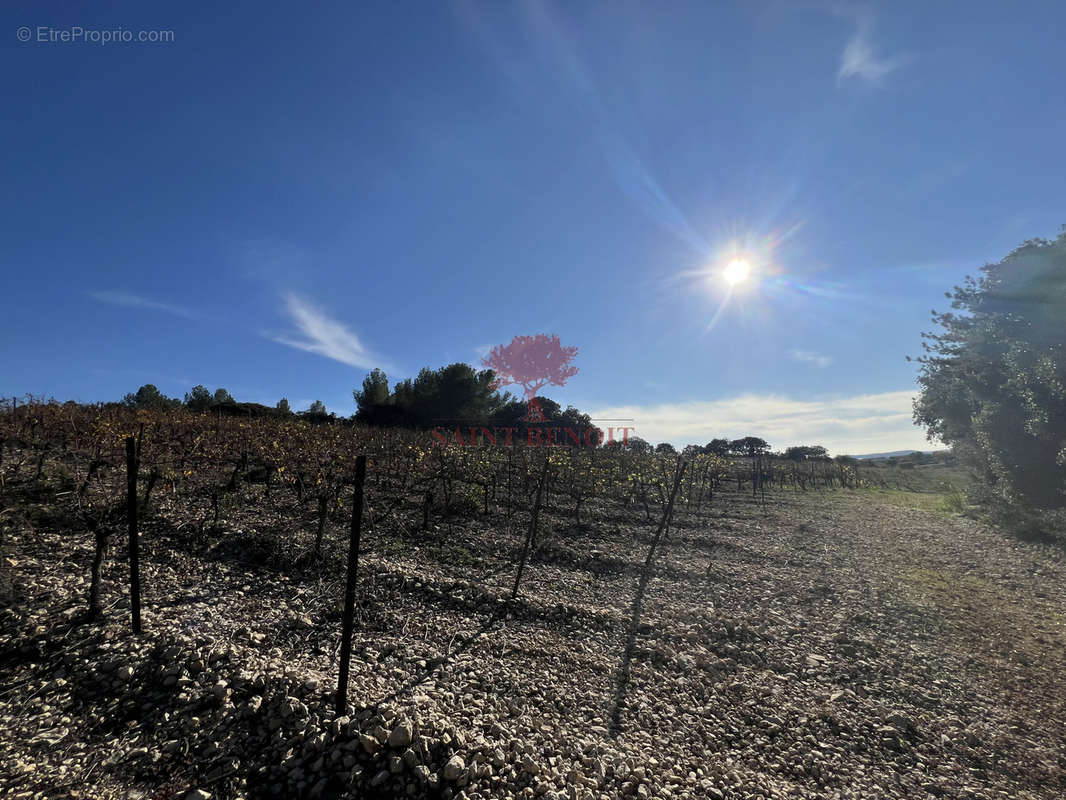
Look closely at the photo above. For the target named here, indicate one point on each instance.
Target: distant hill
(894, 453)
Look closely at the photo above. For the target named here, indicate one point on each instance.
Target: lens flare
(745, 278)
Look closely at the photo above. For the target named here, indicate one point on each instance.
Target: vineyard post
(510, 480)
(531, 536)
(131, 512)
(349, 589)
(323, 510)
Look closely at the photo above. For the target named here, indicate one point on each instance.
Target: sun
(736, 271)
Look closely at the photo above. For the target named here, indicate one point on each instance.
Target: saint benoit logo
(533, 362)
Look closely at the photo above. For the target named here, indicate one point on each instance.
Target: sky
(276, 198)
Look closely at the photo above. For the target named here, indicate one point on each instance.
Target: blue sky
(285, 196)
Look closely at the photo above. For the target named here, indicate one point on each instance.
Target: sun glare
(736, 271)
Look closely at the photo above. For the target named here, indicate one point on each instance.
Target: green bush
(1020, 518)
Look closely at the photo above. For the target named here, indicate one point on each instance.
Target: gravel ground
(825, 645)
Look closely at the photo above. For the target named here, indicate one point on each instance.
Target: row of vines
(109, 466)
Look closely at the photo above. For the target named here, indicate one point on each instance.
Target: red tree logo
(531, 362)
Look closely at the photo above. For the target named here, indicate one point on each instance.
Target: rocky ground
(825, 645)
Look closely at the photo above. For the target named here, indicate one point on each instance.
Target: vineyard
(202, 469)
(205, 606)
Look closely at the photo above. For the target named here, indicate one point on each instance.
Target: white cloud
(866, 423)
(811, 357)
(860, 58)
(317, 333)
(129, 300)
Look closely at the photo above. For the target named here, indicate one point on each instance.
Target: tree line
(200, 399)
(453, 396)
(456, 395)
(450, 397)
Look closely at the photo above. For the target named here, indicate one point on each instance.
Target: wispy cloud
(811, 357)
(317, 332)
(117, 297)
(866, 423)
(861, 58)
